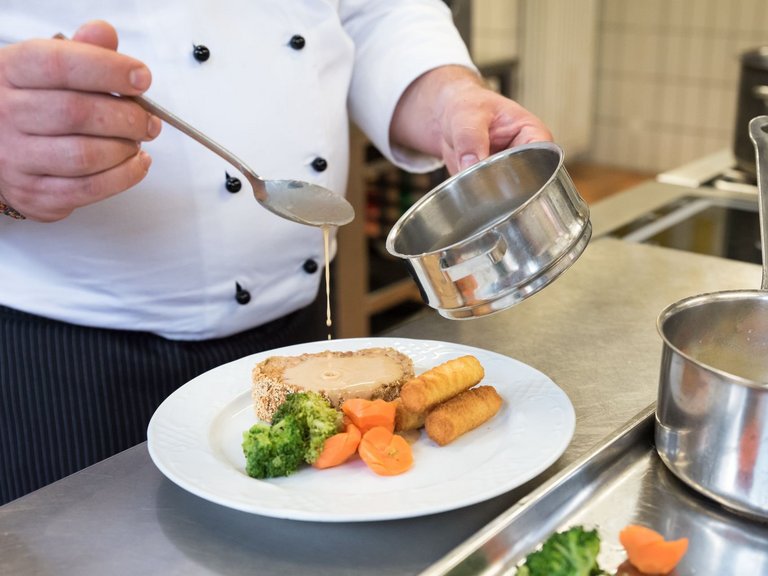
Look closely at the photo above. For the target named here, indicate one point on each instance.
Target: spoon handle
(259, 190)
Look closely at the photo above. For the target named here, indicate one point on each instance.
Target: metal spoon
(295, 200)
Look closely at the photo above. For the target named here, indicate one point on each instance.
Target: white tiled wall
(667, 73)
(553, 42)
(495, 31)
(667, 78)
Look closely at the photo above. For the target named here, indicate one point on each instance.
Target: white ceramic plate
(194, 439)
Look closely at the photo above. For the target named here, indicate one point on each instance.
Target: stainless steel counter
(593, 332)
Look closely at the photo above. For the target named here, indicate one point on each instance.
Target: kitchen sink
(725, 227)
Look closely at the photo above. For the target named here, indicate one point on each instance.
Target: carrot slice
(660, 557)
(649, 552)
(386, 453)
(365, 414)
(339, 448)
(633, 536)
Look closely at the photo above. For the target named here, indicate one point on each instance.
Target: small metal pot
(712, 409)
(495, 233)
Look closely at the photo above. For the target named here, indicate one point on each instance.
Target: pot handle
(467, 267)
(758, 132)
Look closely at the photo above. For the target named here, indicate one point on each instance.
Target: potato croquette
(462, 413)
(405, 419)
(440, 383)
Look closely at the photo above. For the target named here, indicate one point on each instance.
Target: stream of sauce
(341, 375)
(327, 252)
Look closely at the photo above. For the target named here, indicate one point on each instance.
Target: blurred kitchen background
(645, 86)
(631, 89)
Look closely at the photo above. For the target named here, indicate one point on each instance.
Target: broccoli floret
(276, 450)
(569, 553)
(315, 416)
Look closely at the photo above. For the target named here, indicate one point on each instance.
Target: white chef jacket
(170, 255)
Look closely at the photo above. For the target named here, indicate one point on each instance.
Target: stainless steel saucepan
(712, 410)
(495, 233)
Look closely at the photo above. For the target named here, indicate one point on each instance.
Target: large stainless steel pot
(712, 410)
(495, 233)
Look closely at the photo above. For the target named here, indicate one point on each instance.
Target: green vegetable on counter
(569, 553)
(300, 427)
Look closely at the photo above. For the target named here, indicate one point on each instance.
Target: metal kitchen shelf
(621, 481)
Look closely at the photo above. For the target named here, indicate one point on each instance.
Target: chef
(131, 257)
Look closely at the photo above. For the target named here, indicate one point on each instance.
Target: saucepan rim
(705, 299)
(408, 214)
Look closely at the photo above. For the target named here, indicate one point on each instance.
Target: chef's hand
(449, 113)
(65, 140)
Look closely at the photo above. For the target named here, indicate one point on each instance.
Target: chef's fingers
(467, 141)
(64, 112)
(51, 198)
(485, 122)
(515, 126)
(74, 65)
(73, 155)
(97, 32)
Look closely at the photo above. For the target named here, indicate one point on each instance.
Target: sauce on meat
(338, 376)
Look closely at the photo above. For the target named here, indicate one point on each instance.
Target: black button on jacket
(319, 164)
(297, 42)
(233, 184)
(241, 295)
(201, 53)
(310, 266)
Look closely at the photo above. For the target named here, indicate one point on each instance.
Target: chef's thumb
(471, 142)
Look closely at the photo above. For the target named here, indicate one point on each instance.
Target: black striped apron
(71, 396)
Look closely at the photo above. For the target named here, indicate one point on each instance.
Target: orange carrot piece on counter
(661, 557)
(385, 453)
(633, 536)
(366, 414)
(339, 448)
(649, 552)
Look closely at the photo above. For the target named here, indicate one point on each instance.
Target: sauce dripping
(327, 251)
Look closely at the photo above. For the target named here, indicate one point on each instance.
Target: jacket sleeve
(396, 41)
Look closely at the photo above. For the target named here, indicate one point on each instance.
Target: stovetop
(711, 209)
(728, 228)
(735, 180)
(718, 170)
